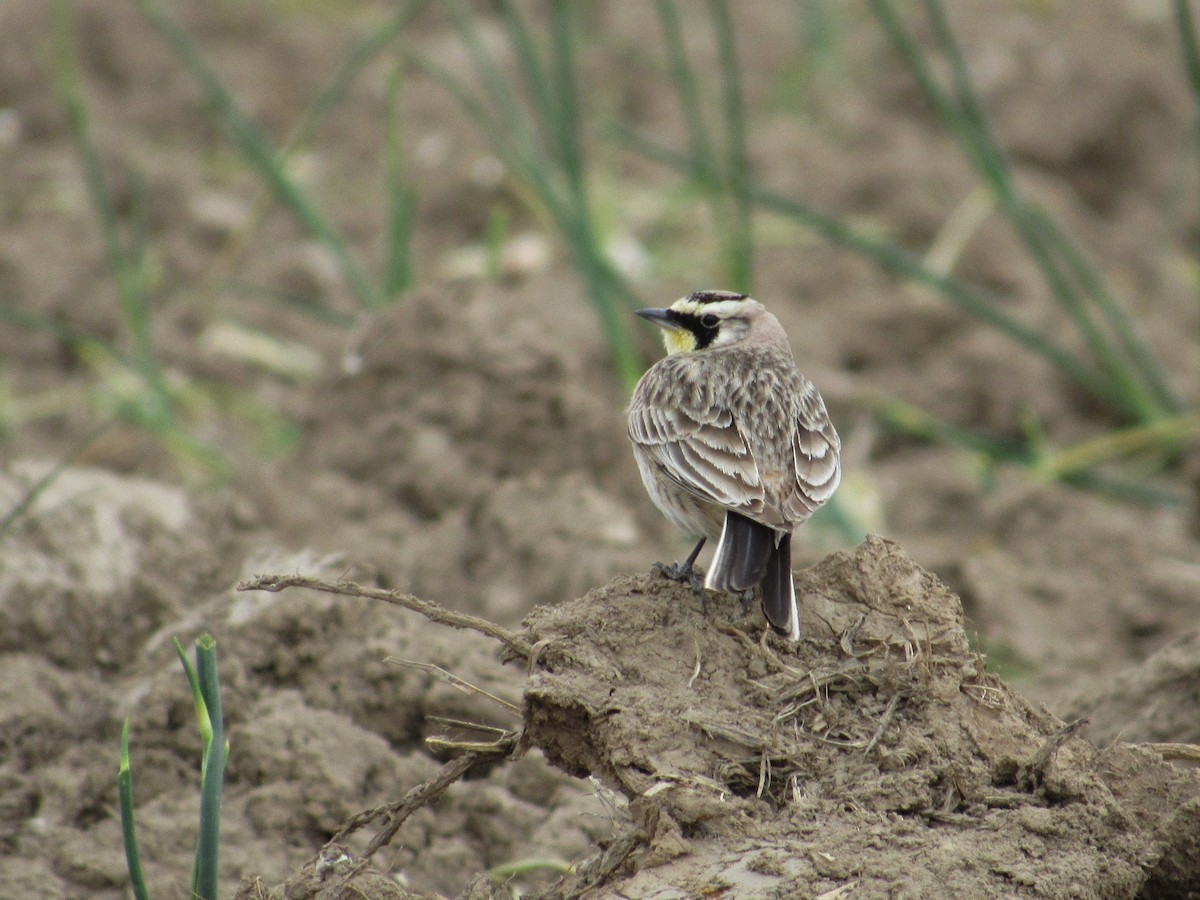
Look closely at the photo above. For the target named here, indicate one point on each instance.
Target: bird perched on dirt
(733, 443)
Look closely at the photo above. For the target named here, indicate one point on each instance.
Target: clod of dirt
(876, 753)
(1157, 700)
(95, 548)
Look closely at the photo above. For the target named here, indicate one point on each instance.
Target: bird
(733, 444)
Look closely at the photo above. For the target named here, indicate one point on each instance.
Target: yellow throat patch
(678, 340)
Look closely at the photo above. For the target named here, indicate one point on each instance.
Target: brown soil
(467, 446)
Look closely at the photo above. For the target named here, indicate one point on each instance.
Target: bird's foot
(681, 572)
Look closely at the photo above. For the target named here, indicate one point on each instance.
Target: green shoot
(150, 403)
(494, 237)
(518, 867)
(739, 238)
(203, 721)
(125, 791)
(1185, 24)
(212, 772)
(126, 265)
(206, 696)
(39, 487)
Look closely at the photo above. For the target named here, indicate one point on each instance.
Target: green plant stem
(399, 195)
(505, 871)
(556, 179)
(901, 261)
(1162, 435)
(1124, 490)
(155, 408)
(254, 146)
(40, 486)
(205, 880)
(1186, 26)
(739, 233)
(125, 266)
(362, 55)
(1034, 227)
(913, 420)
(203, 721)
(704, 168)
(1119, 319)
(968, 122)
(133, 857)
(724, 183)
(565, 115)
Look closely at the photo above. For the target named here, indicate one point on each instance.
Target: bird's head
(709, 319)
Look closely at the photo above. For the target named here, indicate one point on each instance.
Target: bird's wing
(817, 451)
(696, 443)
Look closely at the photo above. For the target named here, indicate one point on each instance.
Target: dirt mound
(877, 755)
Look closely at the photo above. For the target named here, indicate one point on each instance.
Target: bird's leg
(684, 571)
(747, 598)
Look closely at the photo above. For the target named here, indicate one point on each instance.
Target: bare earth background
(467, 445)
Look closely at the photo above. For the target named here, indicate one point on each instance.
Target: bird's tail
(779, 591)
(742, 555)
(750, 555)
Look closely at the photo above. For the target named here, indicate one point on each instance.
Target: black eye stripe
(704, 327)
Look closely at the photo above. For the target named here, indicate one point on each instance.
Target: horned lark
(734, 444)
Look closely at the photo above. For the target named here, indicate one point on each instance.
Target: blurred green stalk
(1174, 431)
(154, 406)
(1136, 381)
(126, 265)
(1185, 24)
(400, 197)
(39, 487)
(542, 145)
(723, 182)
(255, 147)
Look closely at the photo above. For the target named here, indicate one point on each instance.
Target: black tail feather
(742, 555)
(779, 591)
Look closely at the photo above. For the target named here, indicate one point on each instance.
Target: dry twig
(430, 610)
(396, 812)
(596, 869)
(453, 680)
(885, 718)
(1187, 753)
(1033, 773)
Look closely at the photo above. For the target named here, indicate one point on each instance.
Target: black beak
(660, 317)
